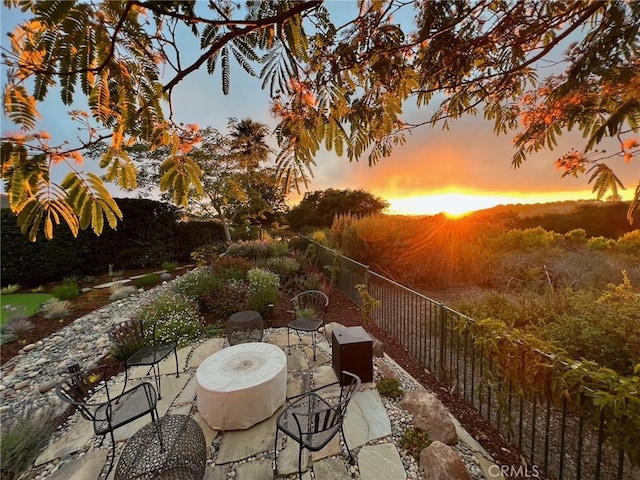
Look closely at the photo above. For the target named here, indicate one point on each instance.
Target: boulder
(430, 415)
(378, 347)
(388, 371)
(328, 328)
(440, 462)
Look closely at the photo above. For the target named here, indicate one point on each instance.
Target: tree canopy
(319, 208)
(342, 86)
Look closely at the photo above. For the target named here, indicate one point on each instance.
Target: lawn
(31, 301)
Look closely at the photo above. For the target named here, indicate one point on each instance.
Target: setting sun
(453, 204)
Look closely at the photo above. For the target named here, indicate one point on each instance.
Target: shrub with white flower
(177, 315)
(263, 286)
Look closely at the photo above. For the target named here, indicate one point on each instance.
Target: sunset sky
(466, 167)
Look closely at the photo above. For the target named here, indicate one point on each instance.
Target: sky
(464, 168)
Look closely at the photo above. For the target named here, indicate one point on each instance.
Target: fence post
(441, 355)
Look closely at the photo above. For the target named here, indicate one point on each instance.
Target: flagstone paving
(248, 454)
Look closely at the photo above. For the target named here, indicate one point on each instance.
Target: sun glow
(452, 204)
(457, 204)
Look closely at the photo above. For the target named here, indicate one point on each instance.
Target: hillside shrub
(629, 243)
(528, 239)
(599, 243)
(598, 327)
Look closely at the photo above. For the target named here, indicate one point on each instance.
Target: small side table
(244, 327)
(171, 448)
(352, 350)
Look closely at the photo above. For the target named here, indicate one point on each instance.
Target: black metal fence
(552, 440)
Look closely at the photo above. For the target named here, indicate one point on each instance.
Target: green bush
(278, 248)
(252, 249)
(177, 315)
(414, 440)
(389, 387)
(629, 243)
(169, 266)
(197, 283)
(604, 331)
(232, 268)
(263, 286)
(147, 280)
(528, 239)
(282, 266)
(207, 254)
(23, 435)
(231, 298)
(575, 238)
(599, 243)
(66, 291)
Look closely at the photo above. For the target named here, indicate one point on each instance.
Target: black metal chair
(140, 347)
(312, 420)
(81, 388)
(309, 310)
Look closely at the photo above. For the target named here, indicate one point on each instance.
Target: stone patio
(247, 454)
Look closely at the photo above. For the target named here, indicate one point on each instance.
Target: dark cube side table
(352, 350)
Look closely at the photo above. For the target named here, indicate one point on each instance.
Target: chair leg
(175, 354)
(113, 453)
(275, 454)
(126, 376)
(313, 341)
(156, 378)
(351, 459)
(288, 343)
(300, 461)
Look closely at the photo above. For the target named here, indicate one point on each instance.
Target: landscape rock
(440, 462)
(430, 415)
(378, 347)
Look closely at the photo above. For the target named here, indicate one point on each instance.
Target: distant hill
(524, 210)
(598, 219)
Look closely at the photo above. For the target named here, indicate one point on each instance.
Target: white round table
(241, 385)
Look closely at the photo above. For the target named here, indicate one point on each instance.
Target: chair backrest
(323, 419)
(311, 303)
(348, 390)
(78, 387)
(127, 332)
